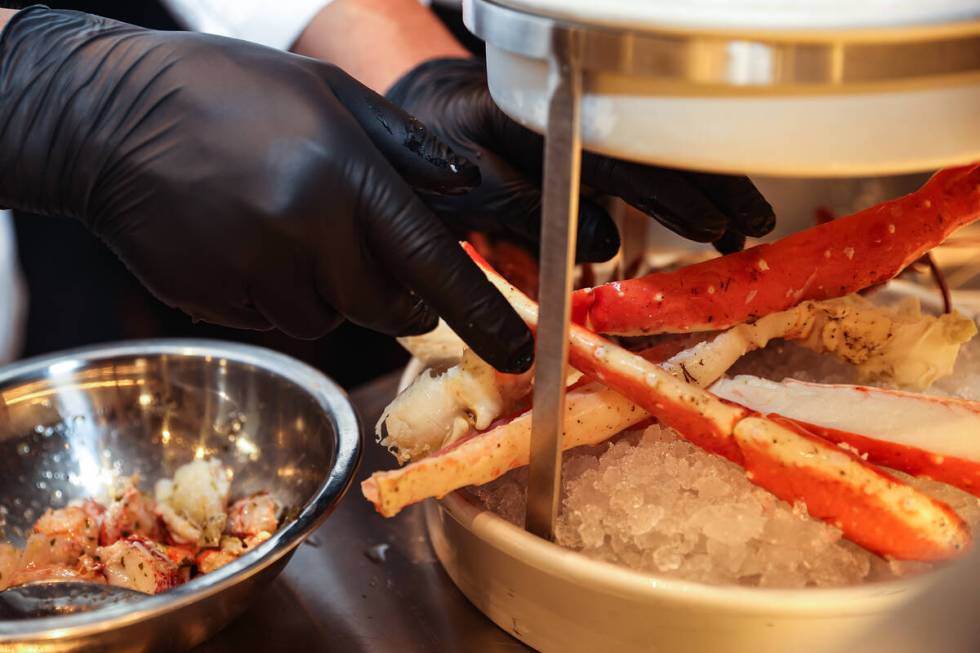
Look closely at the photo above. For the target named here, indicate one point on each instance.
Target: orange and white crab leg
(902, 346)
(826, 261)
(593, 413)
(440, 347)
(934, 437)
(439, 408)
(873, 509)
(908, 346)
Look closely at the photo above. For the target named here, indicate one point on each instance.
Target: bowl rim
(551, 558)
(614, 579)
(330, 396)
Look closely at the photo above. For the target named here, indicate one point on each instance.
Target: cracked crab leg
(593, 413)
(873, 509)
(826, 261)
(440, 347)
(902, 346)
(438, 409)
(934, 437)
(851, 328)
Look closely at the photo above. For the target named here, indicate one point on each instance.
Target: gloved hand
(248, 187)
(451, 96)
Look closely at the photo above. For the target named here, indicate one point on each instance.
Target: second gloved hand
(245, 186)
(451, 96)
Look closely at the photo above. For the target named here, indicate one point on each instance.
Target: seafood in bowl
(144, 543)
(75, 425)
(835, 465)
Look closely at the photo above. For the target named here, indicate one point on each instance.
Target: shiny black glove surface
(246, 186)
(451, 96)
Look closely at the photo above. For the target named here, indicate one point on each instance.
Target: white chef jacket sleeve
(12, 296)
(275, 24)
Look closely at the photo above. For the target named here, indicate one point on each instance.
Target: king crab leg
(593, 413)
(933, 437)
(873, 509)
(852, 329)
(826, 261)
(903, 346)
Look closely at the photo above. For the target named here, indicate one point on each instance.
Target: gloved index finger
(416, 153)
(739, 199)
(418, 250)
(440, 272)
(662, 193)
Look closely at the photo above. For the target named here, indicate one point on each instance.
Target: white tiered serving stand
(774, 87)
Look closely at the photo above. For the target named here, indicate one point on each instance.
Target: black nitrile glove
(451, 96)
(246, 186)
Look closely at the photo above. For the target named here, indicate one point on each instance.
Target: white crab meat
(131, 513)
(942, 426)
(61, 537)
(898, 344)
(253, 541)
(230, 549)
(193, 503)
(439, 408)
(253, 516)
(138, 564)
(439, 348)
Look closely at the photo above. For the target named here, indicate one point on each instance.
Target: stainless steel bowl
(73, 423)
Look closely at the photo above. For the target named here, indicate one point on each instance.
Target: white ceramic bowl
(554, 599)
(644, 119)
(753, 14)
(837, 127)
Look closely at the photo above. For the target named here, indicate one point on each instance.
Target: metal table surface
(336, 594)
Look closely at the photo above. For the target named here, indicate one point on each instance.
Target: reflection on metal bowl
(73, 423)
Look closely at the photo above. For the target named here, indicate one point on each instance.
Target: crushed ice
(653, 502)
